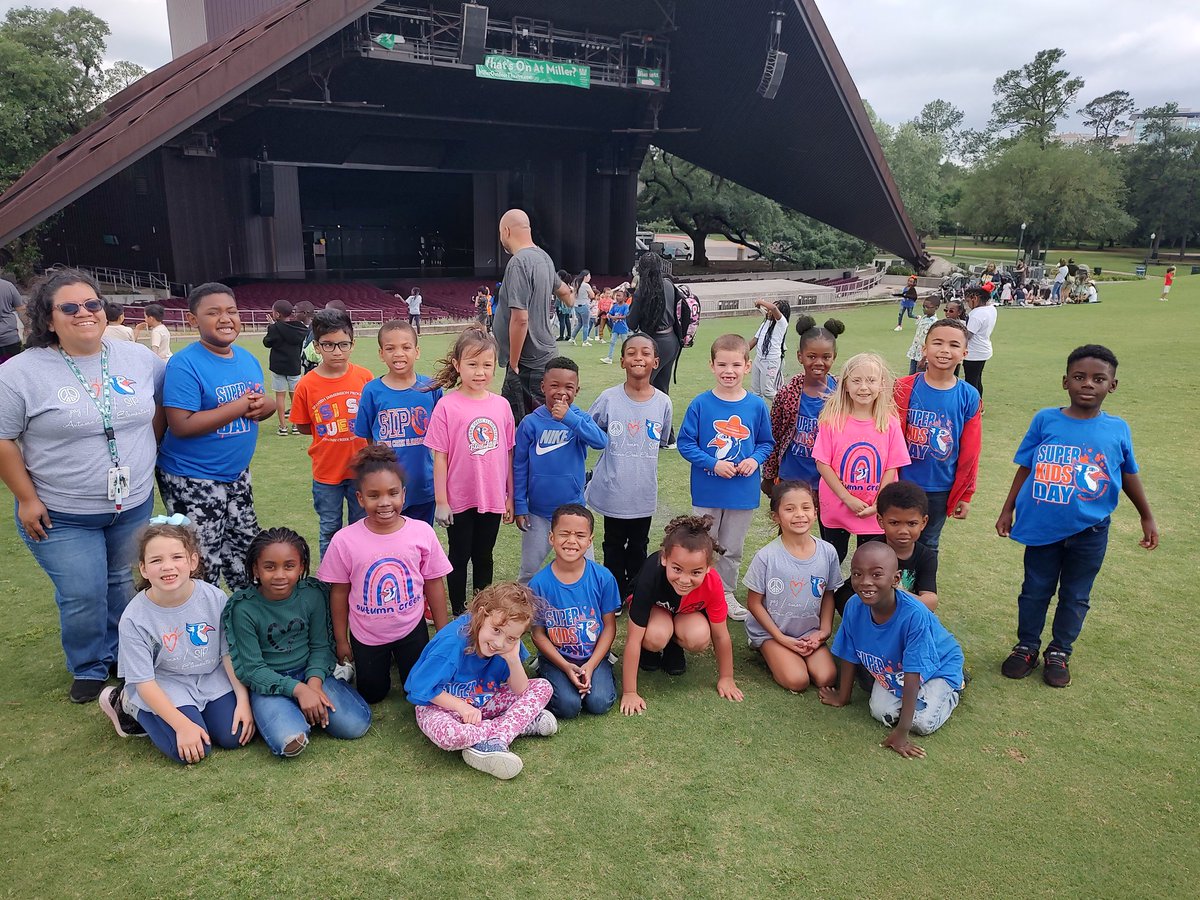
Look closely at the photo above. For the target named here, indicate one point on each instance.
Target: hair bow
(176, 519)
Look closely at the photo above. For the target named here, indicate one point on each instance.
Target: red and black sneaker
(1057, 672)
(1022, 661)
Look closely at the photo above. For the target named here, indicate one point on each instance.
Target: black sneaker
(650, 661)
(673, 660)
(1022, 661)
(85, 690)
(125, 724)
(1057, 672)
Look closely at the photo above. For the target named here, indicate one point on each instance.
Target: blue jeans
(89, 558)
(327, 500)
(1071, 566)
(422, 511)
(937, 519)
(566, 703)
(280, 720)
(216, 719)
(583, 322)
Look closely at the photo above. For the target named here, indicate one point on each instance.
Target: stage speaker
(474, 34)
(264, 193)
(772, 75)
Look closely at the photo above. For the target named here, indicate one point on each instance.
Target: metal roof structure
(811, 148)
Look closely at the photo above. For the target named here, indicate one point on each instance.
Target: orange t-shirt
(329, 405)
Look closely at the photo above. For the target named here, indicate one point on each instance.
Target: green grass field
(1112, 259)
(1084, 792)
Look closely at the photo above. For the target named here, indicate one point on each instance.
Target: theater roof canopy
(812, 148)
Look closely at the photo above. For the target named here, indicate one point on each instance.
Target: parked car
(676, 250)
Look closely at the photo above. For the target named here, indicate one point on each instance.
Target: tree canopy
(1030, 100)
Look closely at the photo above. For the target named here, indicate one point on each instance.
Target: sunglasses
(330, 346)
(70, 309)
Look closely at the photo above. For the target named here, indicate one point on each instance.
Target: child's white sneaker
(543, 726)
(607, 360)
(494, 758)
(898, 328)
(737, 612)
(344, 672)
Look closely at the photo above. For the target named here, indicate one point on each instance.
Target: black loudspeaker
(772, 75)
(264, 194)
(474, 34)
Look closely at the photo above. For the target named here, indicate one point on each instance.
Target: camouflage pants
(222, 514)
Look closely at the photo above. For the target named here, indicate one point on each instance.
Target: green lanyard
(103, 401)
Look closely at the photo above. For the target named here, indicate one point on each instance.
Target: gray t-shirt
(792, 588)
(179, 648)
(45, 409)
(624, 483)
(10, 302)
(530, 281)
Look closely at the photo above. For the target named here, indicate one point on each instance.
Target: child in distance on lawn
(917, 664)
(549, 461)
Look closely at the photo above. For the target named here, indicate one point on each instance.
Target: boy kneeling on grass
(917, 664)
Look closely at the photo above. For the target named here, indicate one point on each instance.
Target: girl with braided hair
(678, 604)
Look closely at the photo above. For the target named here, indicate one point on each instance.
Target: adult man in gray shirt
(524, 314)
(10, 326)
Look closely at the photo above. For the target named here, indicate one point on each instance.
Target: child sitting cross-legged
(577, 618)
(916, 663)
(470, 687)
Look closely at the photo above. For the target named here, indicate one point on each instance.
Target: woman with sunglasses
(80, 420)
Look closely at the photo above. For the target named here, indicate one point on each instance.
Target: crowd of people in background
(304, 644)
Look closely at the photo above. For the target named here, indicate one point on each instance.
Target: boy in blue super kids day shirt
(726, 436)
(214, 399)
(574, 627)
(549, 461)
(394, 410)
(1071, 468)
(917, 664)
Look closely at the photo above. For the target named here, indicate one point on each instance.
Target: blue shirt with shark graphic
(573, 614)
(1075, 474)
(716, 430)
(936, 419)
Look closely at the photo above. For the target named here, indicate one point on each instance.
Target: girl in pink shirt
(471, 434)
(382, 571)
(859, 448)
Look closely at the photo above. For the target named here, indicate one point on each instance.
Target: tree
(804, 243)
(1163, 171)
(1060, 192)
(914, 155)
(1108, 115)
(119, 76)
(940, 119)
(1031, 99)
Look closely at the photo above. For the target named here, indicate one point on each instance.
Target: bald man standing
(524, 314)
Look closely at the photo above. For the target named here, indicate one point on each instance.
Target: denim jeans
(1070, 566)
(279, 718)
(583, 322)
(327, 500)
(216, 718)
(935, 701)
(89, 558)
(422, 511)
(566, 703)
(932, 534)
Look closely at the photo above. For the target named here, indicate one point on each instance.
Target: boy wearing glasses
(213, 398)
(325, 405)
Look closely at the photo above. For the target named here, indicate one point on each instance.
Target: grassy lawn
(1112, 259)
(1088, 791)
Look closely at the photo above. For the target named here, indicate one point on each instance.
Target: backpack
(687, 316)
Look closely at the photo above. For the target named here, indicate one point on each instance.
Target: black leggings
(668, 352)
(840, 538)
(973, 373)
(625, 546)
(373, 663)
(472, 539)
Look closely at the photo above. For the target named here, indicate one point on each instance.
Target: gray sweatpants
(729, 529)
(535, 547)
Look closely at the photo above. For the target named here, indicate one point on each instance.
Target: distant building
(1070, 138)
(1188, 119)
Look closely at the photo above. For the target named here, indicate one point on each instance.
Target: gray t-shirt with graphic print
(792, 588)
(624, 482)
(179, 648)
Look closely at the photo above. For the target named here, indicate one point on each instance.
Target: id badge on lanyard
(118, 475)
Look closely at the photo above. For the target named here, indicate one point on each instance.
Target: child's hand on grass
(632, 704)
(902, 745)
(830, 696)
(727, 689)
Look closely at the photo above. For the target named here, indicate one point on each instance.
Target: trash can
(1139, 271)
(1196, 270)
(1097, 271)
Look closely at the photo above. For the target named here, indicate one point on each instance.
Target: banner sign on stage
(534, 71)
(649, 77)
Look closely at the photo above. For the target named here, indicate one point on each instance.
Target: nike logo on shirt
(542, 451)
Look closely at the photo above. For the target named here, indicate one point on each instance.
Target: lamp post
(954, 252)
(1021, 242)
(1150, 254)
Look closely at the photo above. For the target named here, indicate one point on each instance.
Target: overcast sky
(903, 53)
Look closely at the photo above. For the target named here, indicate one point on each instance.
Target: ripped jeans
(279, 719)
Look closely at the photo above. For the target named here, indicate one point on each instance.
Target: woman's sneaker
(607, 360)
(1057, 672)
(737, 612)
(1021, 661)
(110, 701)
(494, 758)
(543, 726)
(85, 690)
